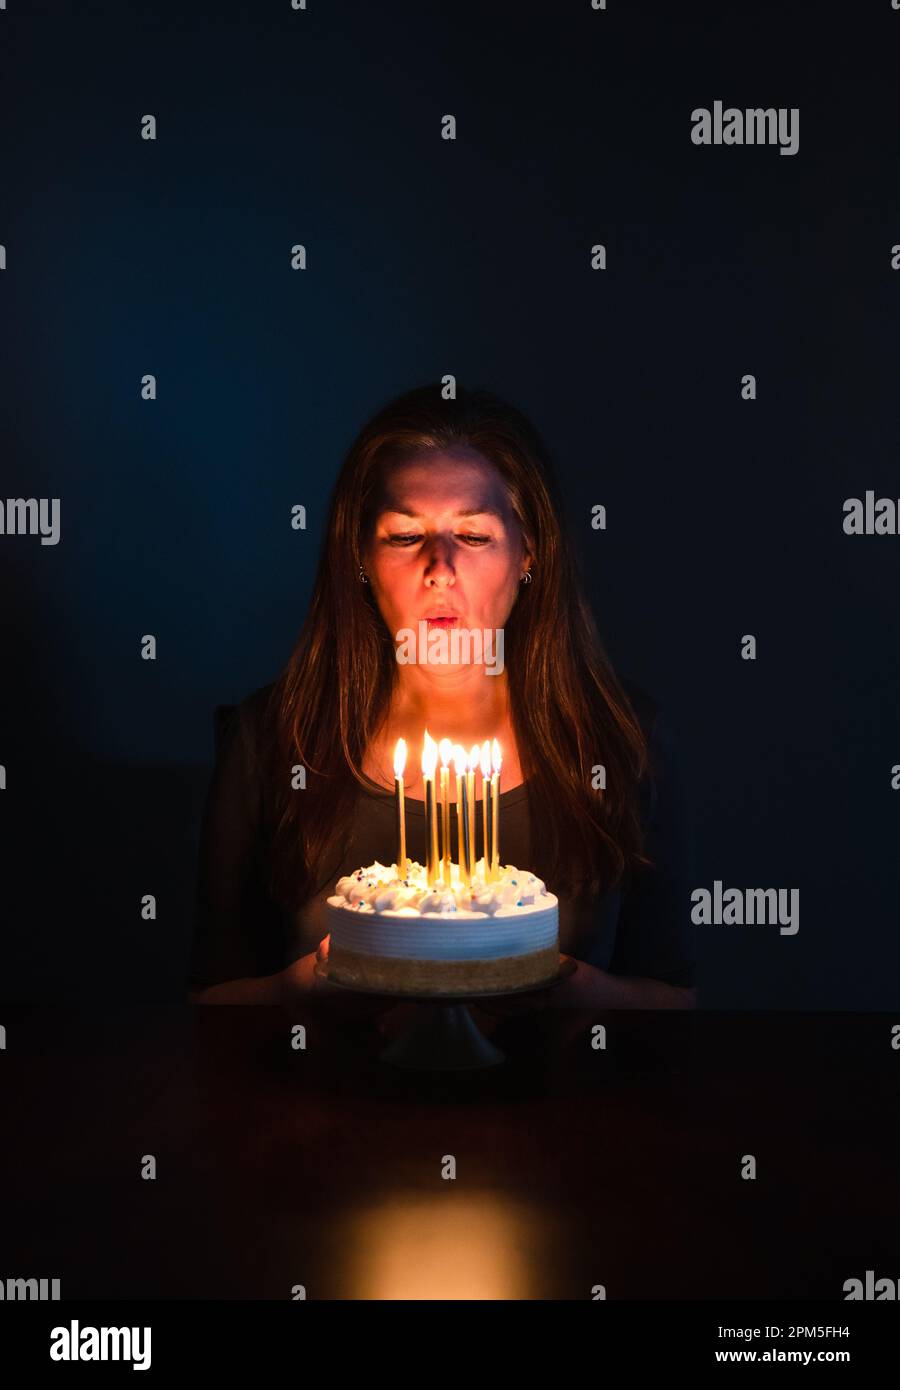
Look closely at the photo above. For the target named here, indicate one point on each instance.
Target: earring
(525, 578)
(363, 577)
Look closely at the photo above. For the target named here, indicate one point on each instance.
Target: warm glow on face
(445, 538)
(459, 759)
(495, 755)
(446, 748)
(486, 758)
(429, 756)
(399, 757)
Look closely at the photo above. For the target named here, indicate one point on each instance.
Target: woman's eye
(408, 538)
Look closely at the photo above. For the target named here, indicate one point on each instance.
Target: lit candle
(495, 807)
(399, 765)
(429, 763)
(470, 788)
(462, 814)
(446, 749)
(486, 806)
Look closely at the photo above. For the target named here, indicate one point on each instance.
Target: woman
(445, 513)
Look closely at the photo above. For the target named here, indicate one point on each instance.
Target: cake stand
(442, 1034)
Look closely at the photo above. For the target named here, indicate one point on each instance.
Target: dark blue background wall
(172, 257)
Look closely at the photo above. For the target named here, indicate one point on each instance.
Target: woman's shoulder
(661, 766)
(247, 713)
(255, 706)
(240, 726)
(664, 791)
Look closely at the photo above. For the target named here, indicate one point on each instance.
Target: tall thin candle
(486, 806)
(495, 807)
(399, 765)
(446, 751)
(429, 763)
(470, 789)
(462, 814)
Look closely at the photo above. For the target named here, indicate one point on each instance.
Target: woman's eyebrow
(465, 511)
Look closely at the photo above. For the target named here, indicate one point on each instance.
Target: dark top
(640, 928)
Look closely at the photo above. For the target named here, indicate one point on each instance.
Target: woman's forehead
(448, 482)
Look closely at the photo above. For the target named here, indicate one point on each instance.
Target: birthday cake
(403, 937)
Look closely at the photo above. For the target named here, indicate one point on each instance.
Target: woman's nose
(438, 568)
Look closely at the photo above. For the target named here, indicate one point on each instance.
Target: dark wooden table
(322, 1166)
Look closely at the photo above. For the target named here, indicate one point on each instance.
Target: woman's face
(445, 542)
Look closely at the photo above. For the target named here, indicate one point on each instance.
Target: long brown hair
(567, 707)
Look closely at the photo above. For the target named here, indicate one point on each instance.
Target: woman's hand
(581, 990)
(589, 987)
(299, 982)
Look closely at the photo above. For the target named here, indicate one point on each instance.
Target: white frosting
(378, 888)
(375, 912)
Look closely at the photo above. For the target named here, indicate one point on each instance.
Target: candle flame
(495, 755)
(446, 748)
(474, 755)
(486, 758)
(459, 759)
(399, 757)
(429, 756)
